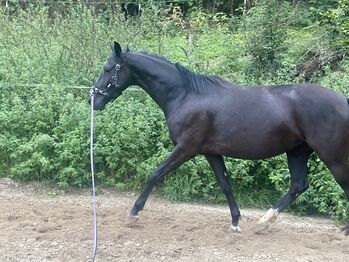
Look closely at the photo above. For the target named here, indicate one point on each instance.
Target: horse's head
(114, 78)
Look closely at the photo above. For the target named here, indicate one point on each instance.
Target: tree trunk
(232, 7)
(247, 5)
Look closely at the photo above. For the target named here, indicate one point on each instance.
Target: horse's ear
(117, 49)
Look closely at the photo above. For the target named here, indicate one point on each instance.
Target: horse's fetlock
(236, 217)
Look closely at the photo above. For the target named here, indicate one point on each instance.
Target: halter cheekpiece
(111, 84)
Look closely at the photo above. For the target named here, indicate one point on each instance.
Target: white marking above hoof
(270, 216)
(235, 229)
(132, 220)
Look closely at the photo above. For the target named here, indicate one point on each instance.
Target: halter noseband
(112, 83)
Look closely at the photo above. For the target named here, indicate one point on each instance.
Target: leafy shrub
(334, 17)
(264, 33)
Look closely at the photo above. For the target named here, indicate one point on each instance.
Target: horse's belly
(252, 152)
(260, 152)
(253, 145)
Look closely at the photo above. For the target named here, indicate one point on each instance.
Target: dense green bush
(334, 17)
(44, 130)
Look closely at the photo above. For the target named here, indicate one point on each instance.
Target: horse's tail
(348, 100)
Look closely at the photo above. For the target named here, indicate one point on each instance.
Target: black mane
(194, 82)
(159, 57)
(198, 83)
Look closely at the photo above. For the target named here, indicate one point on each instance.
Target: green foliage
(264, 28)
(44, 130)
(335, 18)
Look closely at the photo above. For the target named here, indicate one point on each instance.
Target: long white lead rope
(93, 183)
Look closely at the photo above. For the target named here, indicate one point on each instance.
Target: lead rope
(93, 183)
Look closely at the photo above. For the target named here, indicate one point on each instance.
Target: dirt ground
(38, 223)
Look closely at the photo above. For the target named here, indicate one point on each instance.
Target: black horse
(209, 116)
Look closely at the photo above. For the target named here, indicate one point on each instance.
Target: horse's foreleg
(217, 164)
(178, 156)
(297, 163)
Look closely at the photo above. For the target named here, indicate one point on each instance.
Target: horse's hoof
(132, 219)
(345, 230)
(260, 227)
(235, 229)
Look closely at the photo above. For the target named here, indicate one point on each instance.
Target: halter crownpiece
(113, 83)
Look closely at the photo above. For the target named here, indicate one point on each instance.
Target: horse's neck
(158, 77)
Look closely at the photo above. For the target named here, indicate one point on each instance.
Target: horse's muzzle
(97, 102)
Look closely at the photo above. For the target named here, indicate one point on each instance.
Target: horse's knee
(152, 179)
(155, 177)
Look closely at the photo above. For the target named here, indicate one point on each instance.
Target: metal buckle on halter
(94, 90)
(115, 76)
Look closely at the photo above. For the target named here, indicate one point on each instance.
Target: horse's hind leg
(297, 163)
(217, 164)
(340, 170)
